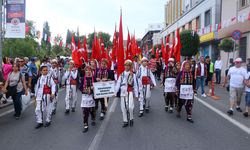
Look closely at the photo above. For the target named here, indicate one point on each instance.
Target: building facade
(202, 16)
(235, 15)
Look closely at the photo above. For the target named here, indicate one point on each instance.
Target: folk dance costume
(88, 102)
(145, 79)
(71, 95)
(44, 102)
(185, 88)
(103, 74)
(169, 81)
(127, 84)
(55, 74)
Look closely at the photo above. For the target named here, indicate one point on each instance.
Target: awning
(227, 32)
(207, 37)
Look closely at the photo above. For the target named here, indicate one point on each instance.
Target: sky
(101, 15)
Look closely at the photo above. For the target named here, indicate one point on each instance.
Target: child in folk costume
(88, 102)
(71, 83)
(44, 95)
(185, 89)
(145, 79)
(55, 74)
(103, 74)
(169, 80)
(127, 84)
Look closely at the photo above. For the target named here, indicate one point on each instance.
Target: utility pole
(1, 33)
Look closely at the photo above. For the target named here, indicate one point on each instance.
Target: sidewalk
(223, 104)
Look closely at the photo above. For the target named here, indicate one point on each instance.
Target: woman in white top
(15, 87)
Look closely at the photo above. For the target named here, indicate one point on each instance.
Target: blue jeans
(218, 76)
(200, 81)
(17, 101)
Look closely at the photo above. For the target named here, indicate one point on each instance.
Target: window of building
(207, 18)
(198, 23)
(243, 3)
(243, 48)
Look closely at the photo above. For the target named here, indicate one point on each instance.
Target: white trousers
(144, 98)
(127, 103)
(44, 108)
(55, 100)
(71, 96)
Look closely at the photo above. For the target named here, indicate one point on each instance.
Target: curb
(6, 105)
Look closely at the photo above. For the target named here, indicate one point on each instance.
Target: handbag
(11, 91)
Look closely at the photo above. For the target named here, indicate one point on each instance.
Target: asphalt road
(157, 130)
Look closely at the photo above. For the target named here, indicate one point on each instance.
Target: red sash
(145, 80)
(46, 89)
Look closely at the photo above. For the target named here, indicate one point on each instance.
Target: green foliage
(105, 37)
(190, 41)
(227, 45)
(20, 47)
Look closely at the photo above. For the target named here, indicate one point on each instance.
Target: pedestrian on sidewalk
(127, 87)
(247, 97)
(210, 73)
(236, 76)
(44, 95)
(218, 67)
(71, 84)
(200, 75)
(87, 102)
(6, 68)
(169, 80)
(185, 91)
(145, 79)
(15, 87)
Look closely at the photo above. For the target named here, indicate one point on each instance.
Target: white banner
(186, 92)
(104, 89)
(15, 30)
(170, 85)
(87, 101)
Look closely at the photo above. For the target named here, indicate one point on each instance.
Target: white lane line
(12, 110)
(225, 116)
(99, 135)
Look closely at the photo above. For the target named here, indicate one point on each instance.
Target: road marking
(99, 135)
(225, 116)
(12, 110)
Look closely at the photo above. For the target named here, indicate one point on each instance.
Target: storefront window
(243, 48)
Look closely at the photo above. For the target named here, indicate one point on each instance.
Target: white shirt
(237, 76)
(247, 89)
(218, 64)
(202, 69)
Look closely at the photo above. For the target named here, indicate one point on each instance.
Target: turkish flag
(85, 53)
(167, 50)
(172, 47)
(157, 54)
(177, 47)
(114, 48)
(120, 55)
(162, 49)
(75, 54)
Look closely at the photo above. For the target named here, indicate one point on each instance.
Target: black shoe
(54, 112)
(171, 110)
(4, 101)
(85, 129)
(93, 123)
(245, 114)
(230, 112)
(125, 124)
(166, 108)
(141, 114)
(238, 109)
(147, 110)
(73, 110)
(131, 123)
(67, 111)
(47, 124)
(39, 125)
(190, 120)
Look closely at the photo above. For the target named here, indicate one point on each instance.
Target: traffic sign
(236, 35)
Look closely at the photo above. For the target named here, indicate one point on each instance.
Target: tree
(227, 45)
(46, 39)
(190, 41)
(105, 37)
